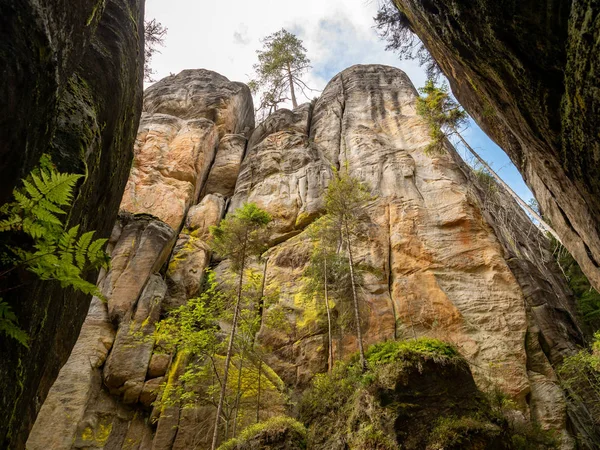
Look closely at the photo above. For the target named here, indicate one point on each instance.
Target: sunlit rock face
(448, 256)
(193, 124)
(530, 81)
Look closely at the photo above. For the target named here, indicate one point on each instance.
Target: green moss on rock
(277, 433)
(416, 394)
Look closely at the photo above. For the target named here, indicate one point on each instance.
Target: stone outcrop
(104, 396)
(72, 88)
(530, 81)
(450, 255)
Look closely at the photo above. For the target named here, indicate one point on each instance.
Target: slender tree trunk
(258, 395)
(237, 397)
(330, 359)
(236, 314)
(514, 195)
(363, 362)
(291, 80)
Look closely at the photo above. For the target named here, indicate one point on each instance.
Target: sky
(223, 36)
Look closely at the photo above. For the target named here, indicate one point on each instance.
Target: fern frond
(46, 204)
(34, 229)
(43, 215)
(9, 326)
(81, 248)
(66, 244)
(22, 200)
(33, 192)
(96, 254)
(59, 189)
(12, 223)
(79, 284)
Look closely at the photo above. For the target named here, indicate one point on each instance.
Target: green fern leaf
(81, 249)
(33, 192)
(46, 204)
(33, 228)
(60, 188)
(9, 325)
(66, 244)
(22, 200)
(12, 223)
(95, 253)
(43, 215)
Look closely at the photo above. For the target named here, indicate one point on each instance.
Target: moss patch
(414, 395)
(277, 433)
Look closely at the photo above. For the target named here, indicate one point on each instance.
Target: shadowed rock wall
(72, 87)
(527, 72)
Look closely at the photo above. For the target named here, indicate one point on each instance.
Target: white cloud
(224, 36)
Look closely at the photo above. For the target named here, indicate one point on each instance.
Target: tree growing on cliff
(445, 118)
(154, 35)
(346, 201)
(281, 64)
(319, 271)
(239, 237)
(394, 27)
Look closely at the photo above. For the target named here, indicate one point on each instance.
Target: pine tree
(445, 117)
(239, 237)
(281, 64)
(154, 35)
(346, 201)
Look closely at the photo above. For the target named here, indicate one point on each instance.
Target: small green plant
(40, 242)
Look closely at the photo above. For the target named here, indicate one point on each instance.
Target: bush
(279, 432)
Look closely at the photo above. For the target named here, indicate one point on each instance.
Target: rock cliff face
(527, 73)
(453, 256)
(72, 88)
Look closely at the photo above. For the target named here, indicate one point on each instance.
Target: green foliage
(9, 324)
(342, 404)
(391, 351)
(192, 328)
(281, 64)
(442, 114)
(580, 376)
(276, 431)
(241, 235)
(44, 245)
(456, 433)
(486, 180)
(588, 299)
(353, 409)
(346, 201)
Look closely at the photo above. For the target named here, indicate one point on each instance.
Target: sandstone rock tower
(455, 259)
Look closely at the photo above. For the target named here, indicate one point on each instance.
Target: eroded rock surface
(530, 80)
(450, 256)
(72, 88)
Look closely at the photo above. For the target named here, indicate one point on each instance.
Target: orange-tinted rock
(224, 171)
(194, 94)
(171, 162)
